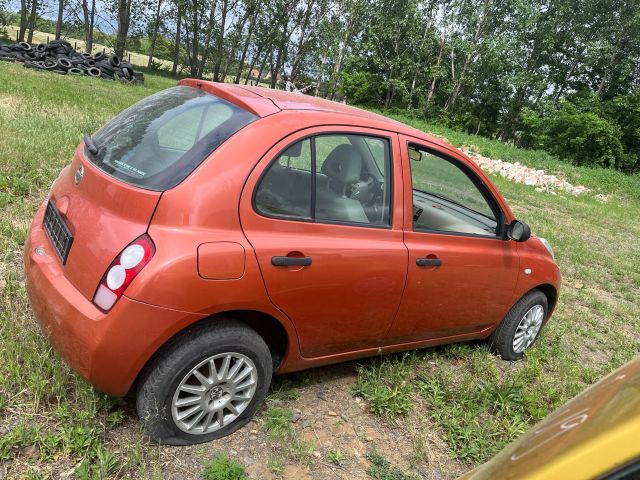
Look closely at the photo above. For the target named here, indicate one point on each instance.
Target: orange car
(213, 234)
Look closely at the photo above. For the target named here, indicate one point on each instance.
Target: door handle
(428, 262)
(291, 261)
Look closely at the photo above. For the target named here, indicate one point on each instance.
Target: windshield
(157, 142)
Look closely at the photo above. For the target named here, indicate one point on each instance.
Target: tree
(60, 18)
(124, 22)
(154, 32)
(176, 45)
(88, 15)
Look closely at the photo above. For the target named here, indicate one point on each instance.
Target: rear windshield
(159, 141)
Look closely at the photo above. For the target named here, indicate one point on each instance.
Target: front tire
(205, 384)
(521, 327)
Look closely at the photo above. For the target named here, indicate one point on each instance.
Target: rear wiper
(88, 141)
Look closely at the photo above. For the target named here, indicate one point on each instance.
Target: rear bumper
(108, 350)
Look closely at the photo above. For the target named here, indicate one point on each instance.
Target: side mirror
(294, 150)
(415, 154)
(518, 231)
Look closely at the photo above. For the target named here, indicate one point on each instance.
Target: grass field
(51, 420)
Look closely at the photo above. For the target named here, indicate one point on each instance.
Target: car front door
(461, 271)
(323, 212)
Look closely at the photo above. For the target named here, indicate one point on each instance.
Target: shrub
(584, 138)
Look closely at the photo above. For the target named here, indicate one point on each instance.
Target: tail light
(123, 270)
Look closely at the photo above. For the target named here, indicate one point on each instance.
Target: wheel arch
(267, 326)
(551, 293)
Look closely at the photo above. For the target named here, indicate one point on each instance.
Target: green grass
(337, 457)
(221, 467)
(47, 409)
(476, 401)
(381, 469)
(479, 402)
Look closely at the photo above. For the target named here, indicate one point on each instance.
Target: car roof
(263, 102)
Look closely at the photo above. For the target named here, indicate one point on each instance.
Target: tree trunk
(156, 26)
(220, 42)
(195, 34)
(337, 66)
(476, 37)
(264, 64)
(275, 67)
(89, 18)
(60, 17)
(253, 64)
(432, 87)
(610, 63)
(176, 45)
(23, 20)
(295, 64)
(246, 47)
(232, 51)
(208, 37)
(32, 20)
(124, 20)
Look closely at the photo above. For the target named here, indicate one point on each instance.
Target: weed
(275, 465)
(384, 384)
(381, 469)
(277, 423)
(337, 457)
(222, 467)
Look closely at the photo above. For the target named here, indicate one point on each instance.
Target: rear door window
(159, 141)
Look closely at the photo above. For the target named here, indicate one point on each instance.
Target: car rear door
(332, 256)
(462, 271)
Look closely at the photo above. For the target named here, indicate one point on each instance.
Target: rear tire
(217, 402)
(525, 319)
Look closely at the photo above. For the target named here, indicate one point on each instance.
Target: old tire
(181, 407)
(521, 327)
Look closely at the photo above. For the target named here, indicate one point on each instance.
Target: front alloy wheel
(528, 328)
(521, 327)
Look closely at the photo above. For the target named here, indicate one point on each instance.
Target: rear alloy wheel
(206, 383)
(214, 393)
(521, 327)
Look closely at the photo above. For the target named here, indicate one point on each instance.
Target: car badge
(78, 175)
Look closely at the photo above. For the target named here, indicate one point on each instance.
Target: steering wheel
(367, 190)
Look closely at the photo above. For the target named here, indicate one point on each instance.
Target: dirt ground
(327, 417)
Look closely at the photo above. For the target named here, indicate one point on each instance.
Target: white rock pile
(518, 173)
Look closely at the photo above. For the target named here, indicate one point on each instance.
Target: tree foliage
(563, 75)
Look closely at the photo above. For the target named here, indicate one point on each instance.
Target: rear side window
(159, 141)
(334, 178)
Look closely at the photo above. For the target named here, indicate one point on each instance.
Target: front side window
(159, 141)
(331, 178)
(445, 198)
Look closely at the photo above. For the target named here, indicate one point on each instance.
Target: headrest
(343, 164)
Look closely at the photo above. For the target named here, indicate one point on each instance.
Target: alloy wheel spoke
(244, 385)
(242, 375)
(212, 368)
(196, 420)
(207, 421)
(185, 402)
(220, 417)
(236, 368)
(187, 413)
(192, 389)
(225, 368)
(201, 378)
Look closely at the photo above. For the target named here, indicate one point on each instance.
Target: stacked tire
(58, 56)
